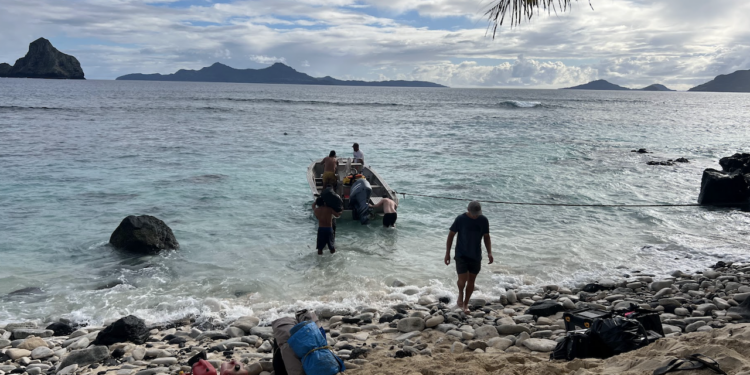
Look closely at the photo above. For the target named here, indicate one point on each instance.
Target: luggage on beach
(576, 344)
(618, 335)
(312, 348)
(285, 361)
(358, 198)
(544, 308)
(332, 199)
(583, 318)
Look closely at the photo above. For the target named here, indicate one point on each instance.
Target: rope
(318, 348)
(568, 204)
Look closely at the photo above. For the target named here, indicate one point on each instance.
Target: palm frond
(517, 10)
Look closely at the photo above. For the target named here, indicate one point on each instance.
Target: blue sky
(634, 43)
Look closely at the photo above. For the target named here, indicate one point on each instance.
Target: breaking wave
(519, 104)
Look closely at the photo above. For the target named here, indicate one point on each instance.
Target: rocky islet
(43, 61)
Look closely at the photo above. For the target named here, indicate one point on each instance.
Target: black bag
(617, 335)
(278, 363)
(332, 199)
(544, 308)
(575, 345)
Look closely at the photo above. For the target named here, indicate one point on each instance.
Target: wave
(312, 102)
(520, 104)
(22, 108)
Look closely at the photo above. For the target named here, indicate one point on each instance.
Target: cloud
(632, 42)
(260, 59)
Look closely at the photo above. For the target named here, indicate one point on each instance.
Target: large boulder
(143, 234)
(722, 188)
(45, 61)
(129, 328)
(737, 163)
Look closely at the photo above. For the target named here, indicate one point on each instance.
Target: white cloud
(260, 59)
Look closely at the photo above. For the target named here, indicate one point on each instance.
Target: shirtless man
(325, 217)
(389, 208)
(329, 171)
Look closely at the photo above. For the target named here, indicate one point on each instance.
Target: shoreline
(429, 336)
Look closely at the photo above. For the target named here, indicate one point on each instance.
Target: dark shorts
(325, 238)
(389, 219)
(467, 265)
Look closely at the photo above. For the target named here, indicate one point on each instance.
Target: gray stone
(164, 361)
(659, 285)
(706, 307)
(42, 352)
(457, 347)
(158, 370)
(397, 283)
(670, 329)
(511, 296)
(246, 323)
(32, 343)
(85, 357)
(721, 303)
(411, 291)
(265, 347)
(33, 371)
(434, 321)
(511, 329)
(694, 326)
(426, 300)
(476, 344)
(540, 345)
(262, 332)
(485, 332)
(446, 327)
(81, 343)
(614, 297)
(704, 329)
(744, 289)
(500, 343)
(740, 297)
(669, 302)
(22, 333)
(138, 353)
(4, 343)
(541, 334)
(681, 311)
(411, 324)
(689, 286)
(408, 336)
(234, 332)
(711, 274)
(15, 353)
(523, 318)
(143, 235)
(568, 304)
(68, 370)
(350, 329)
(11, 327)
(663, 293)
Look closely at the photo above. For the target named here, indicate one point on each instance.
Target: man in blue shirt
(472, 227)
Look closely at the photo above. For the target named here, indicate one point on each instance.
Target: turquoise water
(212, 161)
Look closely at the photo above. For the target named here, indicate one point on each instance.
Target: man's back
(389, 206)
(470, 232)
(330, 164)
(325, 216)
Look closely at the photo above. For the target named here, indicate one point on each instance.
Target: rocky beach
(701, 313)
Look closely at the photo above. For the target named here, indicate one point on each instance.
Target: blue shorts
(325, 238)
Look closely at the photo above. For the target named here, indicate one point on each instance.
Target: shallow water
(212, 161)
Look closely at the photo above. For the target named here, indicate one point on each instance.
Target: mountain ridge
(278, 73)
(737, 81)
(601, 84)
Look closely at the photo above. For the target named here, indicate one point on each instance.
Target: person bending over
(326, 236)
(389, 208)
(472, 227)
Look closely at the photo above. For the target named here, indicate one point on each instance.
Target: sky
(633, 43)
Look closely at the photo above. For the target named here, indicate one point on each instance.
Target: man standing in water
(326, 235)
(389, 209)
(329, 170)
(471, 227)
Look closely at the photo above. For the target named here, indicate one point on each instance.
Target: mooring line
(568, 204)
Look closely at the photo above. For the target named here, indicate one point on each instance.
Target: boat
(345, 168)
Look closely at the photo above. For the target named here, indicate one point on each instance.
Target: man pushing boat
(329, 170)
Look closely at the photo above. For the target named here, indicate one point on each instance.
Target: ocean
(224, 166)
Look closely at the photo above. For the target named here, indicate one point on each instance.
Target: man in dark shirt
(471, 227)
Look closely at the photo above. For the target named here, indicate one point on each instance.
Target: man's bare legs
(462, 278)
(470, 279)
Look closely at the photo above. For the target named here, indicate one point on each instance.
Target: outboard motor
(358, 198)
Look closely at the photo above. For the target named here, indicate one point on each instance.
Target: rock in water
(143, 234)
(60, 329)
(129, 328)
(737, 163)
(722, 188)
(45, 61)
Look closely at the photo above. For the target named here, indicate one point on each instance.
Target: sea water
(224, 166)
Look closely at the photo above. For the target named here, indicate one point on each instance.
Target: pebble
(15, 353)
(42, 352)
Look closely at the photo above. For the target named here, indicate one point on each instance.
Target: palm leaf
(517, 10)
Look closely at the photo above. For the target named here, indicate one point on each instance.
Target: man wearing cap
(359, 157)
(472, 227)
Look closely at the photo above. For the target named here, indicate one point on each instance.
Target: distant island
(277, 73)
(738, 81)
(601, 84)
(43, 61)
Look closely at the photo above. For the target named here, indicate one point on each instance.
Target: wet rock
(722, 188)
(22, 333)
(411, 324)
(662, 284)
(60, 329)
(511, 296)
(144, 235)
(127, 329)
(246, 323)
(86, 356)
(426, 300)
